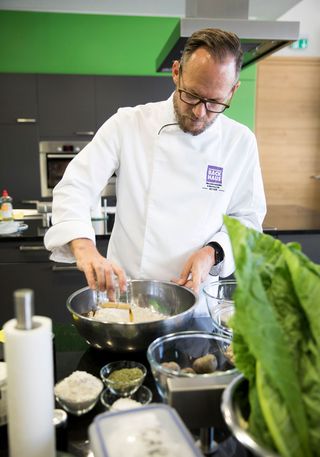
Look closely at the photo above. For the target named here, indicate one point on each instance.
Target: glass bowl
(78, 393)
(219, 298)
(176, 355)
(124, 377)
(141, 397)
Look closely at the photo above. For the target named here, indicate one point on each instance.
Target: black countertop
(279, 218)
(73, 353)
(35, 231)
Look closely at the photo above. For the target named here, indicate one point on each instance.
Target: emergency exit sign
(302, 43)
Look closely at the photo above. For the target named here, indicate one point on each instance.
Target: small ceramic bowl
(141, 397)
(124, 377)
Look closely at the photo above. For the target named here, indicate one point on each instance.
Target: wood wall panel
(288, 129)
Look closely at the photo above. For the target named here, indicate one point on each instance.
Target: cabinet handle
(85, 133)
(69, 268)
(317, 177)
(26, 120)
(32, 248)
(270, 229)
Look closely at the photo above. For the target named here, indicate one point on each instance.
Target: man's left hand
(197, 268)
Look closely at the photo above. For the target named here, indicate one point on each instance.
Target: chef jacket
(172, 190)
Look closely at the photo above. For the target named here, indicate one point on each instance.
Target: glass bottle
(6, 209)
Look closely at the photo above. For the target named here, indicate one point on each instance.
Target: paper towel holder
(24, 308)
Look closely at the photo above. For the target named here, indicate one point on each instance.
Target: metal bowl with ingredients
(235, 409)
(175, 302)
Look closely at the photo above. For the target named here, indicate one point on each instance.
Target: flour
(124, 403)
(79, 389)
(122, 315)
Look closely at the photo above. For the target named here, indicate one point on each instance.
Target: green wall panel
(81, 43)
(99, 45)
(243, 103)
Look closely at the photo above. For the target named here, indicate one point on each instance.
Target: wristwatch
(219, 253)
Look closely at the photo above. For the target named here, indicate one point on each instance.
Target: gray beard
(180, 120)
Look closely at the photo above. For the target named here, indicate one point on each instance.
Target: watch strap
(219, 252)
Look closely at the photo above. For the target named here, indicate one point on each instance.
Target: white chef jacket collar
(170, 120)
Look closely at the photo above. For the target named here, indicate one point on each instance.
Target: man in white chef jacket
(181, 164)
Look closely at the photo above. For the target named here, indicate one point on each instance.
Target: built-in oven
(54, 158)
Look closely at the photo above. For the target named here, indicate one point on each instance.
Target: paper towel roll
(29, 358)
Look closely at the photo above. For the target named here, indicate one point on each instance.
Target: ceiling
(258, 9)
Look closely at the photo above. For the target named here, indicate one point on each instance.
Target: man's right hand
(99, 271)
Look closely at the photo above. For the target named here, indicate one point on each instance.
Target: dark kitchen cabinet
(26, 264)
(18, 99)
(66, 107)
(310, 243)
(19, 168)
(293, 223)
(308, 240)
(51, 288)
(113, 92)
(59, 107)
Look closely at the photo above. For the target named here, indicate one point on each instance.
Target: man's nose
(199, 110)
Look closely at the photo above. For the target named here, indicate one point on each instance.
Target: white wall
(307, 12)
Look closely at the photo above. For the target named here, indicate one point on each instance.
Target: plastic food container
(151, 430)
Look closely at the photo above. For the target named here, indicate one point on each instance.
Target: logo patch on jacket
(214, 178)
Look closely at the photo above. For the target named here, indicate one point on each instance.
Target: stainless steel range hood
(258, 38)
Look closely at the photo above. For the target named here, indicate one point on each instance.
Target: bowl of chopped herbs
(124, 377)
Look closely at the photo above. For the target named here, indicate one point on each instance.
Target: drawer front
(51, 288)
(34, 251)
(23, 251)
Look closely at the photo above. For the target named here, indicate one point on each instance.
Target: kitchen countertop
(72, 353)
(291, 219)
(36, 231)
(279, 218)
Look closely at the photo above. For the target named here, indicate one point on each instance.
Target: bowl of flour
(79, 392)
(158, 308)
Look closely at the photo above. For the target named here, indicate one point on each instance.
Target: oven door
(52, 168)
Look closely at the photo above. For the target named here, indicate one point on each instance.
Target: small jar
(3, 393)
(60, 419)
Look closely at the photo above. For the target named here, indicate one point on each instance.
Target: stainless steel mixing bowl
(235, 409)
(175, 301)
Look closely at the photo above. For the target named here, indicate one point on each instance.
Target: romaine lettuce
(276, 328)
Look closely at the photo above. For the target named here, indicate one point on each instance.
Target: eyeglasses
(194, 100)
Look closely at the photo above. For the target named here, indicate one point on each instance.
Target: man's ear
(236, 87)
(175, 71)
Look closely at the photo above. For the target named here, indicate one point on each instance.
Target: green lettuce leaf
(276, 328)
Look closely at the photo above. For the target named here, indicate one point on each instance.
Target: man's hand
(98, 270)
(197, 268)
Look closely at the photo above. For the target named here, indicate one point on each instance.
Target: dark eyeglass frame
(200, 99)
